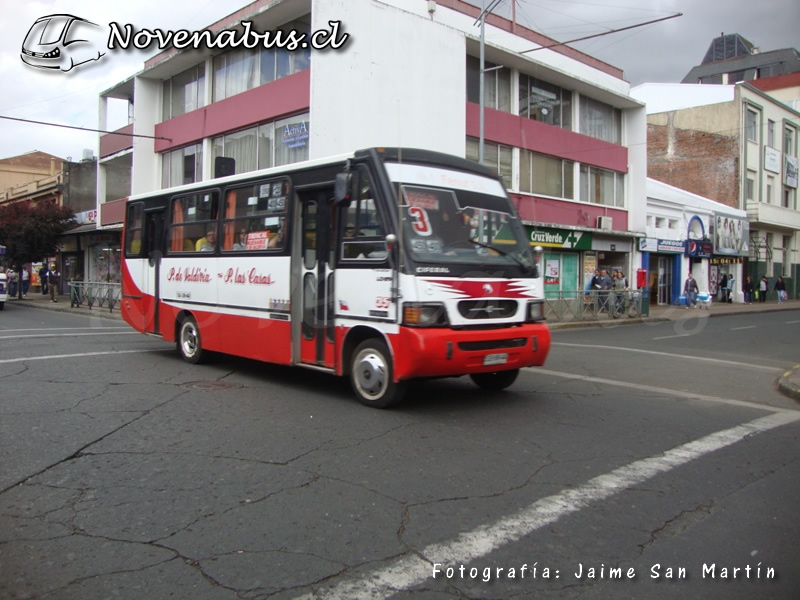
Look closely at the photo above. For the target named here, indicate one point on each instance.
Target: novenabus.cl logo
(63, 42)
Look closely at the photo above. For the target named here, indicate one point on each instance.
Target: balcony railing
(93, 293)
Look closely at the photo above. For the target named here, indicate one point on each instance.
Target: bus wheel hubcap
(371, 373)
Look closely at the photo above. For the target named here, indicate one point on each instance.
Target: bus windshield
(450, 218)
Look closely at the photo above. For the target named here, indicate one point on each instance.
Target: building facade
(560, 127)
(687, 233)
(738, 146)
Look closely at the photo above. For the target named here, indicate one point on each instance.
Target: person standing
(780, 289)
(723, 288)
(763, 287)
(26, 280)
(12, 277)
(747, 288)
(690, 290)
(605, 286)
(53, 279)
(43, 279)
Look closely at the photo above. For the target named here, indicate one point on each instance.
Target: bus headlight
(534, 311)
(432, 314)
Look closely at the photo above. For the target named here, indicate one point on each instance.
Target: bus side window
(133, 240)
(363, 234)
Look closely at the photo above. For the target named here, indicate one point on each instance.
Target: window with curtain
(181, 166)
(184, 92)
(134, 225)
(496, 83)
(255, 216)
(546, 175)
(267, 145)
(545, 102)
(600, 120)
(497, 157)
(600, 186)
(193, 225)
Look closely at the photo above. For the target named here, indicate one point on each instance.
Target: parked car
(62, 42)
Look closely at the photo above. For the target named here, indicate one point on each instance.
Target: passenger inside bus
(207, 243)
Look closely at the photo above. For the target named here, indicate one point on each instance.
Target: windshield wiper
(525, 268)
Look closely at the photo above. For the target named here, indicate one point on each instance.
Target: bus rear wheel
(497, 380)
(371, 375)
(189, 343)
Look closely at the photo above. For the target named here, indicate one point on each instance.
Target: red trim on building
(778, 82)
(271, 101)
(569, 214)
(111, 143)
(521, 132)
(112, 212)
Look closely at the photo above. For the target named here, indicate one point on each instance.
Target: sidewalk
(38, 300)
(789, 383)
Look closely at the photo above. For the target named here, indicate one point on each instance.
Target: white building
(680, 241)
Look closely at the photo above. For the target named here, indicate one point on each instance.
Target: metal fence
(594, 305)
(94, 292)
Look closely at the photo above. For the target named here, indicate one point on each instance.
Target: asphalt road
(644, 461)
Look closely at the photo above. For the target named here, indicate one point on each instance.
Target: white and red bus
(384, 265)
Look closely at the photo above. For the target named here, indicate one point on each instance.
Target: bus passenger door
(314, 331)
(154, 235)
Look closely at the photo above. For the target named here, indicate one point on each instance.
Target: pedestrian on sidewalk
(43, 279)
(53, 279)
(763, 288)
(723, 288)
(780, 288)
(690, 291)
(747, 288)
(26, 280)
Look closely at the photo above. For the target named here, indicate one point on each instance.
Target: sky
(659, 52)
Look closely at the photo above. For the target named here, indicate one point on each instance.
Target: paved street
(651, 460)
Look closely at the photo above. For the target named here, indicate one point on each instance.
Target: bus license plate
(495, 359)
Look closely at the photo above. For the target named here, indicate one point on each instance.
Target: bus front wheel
(371, 375)
(497, 380)
(189, 344)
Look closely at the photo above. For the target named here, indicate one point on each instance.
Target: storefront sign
(648, 245)
(772, 159)
(676, 246)
(699, 248)
(559, 238)
(87, 216)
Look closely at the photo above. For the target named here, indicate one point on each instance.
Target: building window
(181, 166)
(750, 186)
(600, 186)
(770, 133)
(788, 197)
(496, 84)
(751, 125)
(545, 102)
(184, 92)
(497, 157)
(242, 69)
(770, 187)
(545, 175)
(788, 141)
(600, 120)
(270, 144)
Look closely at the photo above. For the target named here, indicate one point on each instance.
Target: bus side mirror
(342, 191)
(391, 247)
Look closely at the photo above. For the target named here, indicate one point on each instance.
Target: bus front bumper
(448, 352)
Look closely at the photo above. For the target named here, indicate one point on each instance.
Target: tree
(32, 231)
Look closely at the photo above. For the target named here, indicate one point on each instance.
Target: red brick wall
(703, 163)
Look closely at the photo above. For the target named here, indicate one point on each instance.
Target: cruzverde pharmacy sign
(565, 239)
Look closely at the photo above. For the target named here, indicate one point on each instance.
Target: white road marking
(79, 355)
(668, 337)
(659, 390)
(415, 569)
(792, 322)
(740, 328)
(49, 335)
(692, 357)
